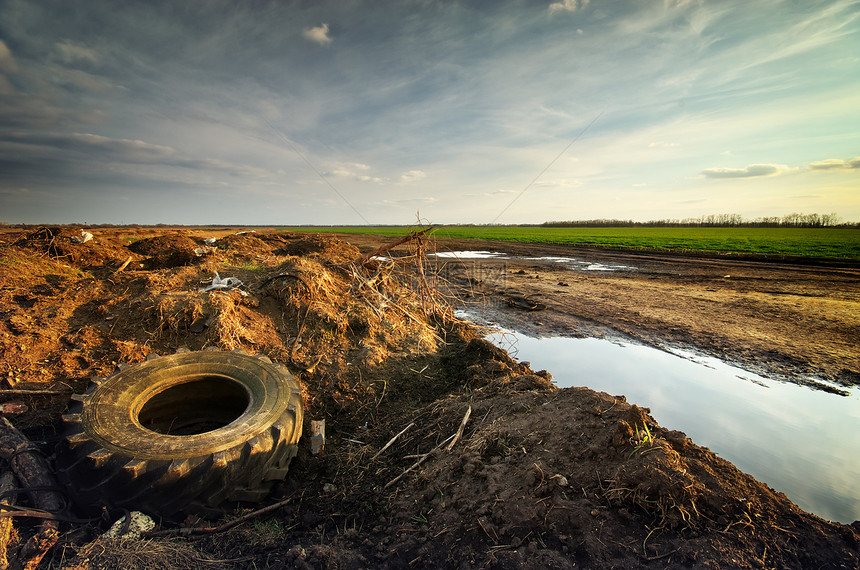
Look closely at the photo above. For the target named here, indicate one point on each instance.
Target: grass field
(801, 242)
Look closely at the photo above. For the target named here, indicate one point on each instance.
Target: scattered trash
(85, 237)
(246, 232)
(317, 436)
(329, 489)
(201, 251)
(226, 284)
(137, 524)
(210, 241)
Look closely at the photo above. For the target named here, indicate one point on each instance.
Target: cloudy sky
(354, 112)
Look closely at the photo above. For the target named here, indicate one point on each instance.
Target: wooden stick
(392, 440)
(460, 430)
(417, 463)
(124, 265)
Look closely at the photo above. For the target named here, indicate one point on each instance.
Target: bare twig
(419, 462)
(220, 528)
(394, 244)
(462, 427)
(391, 441)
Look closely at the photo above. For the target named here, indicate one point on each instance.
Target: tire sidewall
(110, 417)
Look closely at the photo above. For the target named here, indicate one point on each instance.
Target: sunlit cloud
(751, 171)
(353, 170)
(412, 176)
(318, 34)
(835, 164)
(567, 6)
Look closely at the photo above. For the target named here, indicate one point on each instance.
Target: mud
(796, 322)
(539, 477)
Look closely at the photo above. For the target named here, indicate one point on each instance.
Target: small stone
(329, 489)
(139, 524)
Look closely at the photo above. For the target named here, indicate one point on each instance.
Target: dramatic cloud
(751, 171)
(257, 99)
(318, 34)
(105, 150)
(835, 164)
(567, 6)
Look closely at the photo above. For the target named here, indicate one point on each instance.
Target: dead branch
(391, 441)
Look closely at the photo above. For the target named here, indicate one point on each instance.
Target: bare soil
(539, 477)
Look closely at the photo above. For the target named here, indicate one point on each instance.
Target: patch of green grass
(838, 243)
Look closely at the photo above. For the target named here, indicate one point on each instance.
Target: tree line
(793, 220)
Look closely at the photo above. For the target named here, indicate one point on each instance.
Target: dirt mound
(168, 251)
(565, 478)
(67, 245)
(332, 249)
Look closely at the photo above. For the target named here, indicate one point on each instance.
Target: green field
(834, 243)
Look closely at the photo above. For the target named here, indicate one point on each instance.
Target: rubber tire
(108, 459)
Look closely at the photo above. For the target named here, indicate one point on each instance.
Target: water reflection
(802, 442)
(571, 263)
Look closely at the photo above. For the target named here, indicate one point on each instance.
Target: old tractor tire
(181, 434)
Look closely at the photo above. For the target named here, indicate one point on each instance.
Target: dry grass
(133, 554)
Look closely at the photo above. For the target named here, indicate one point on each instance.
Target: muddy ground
(539, 477)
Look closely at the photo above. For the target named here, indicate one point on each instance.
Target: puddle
(571, 262)
(580, 265)
(472, 255)
(799, 441)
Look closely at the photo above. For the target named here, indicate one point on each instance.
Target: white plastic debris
(210, 241)
(85, 237)
(139, 524)
(219, 284)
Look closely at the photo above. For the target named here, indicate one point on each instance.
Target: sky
(337, 112)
